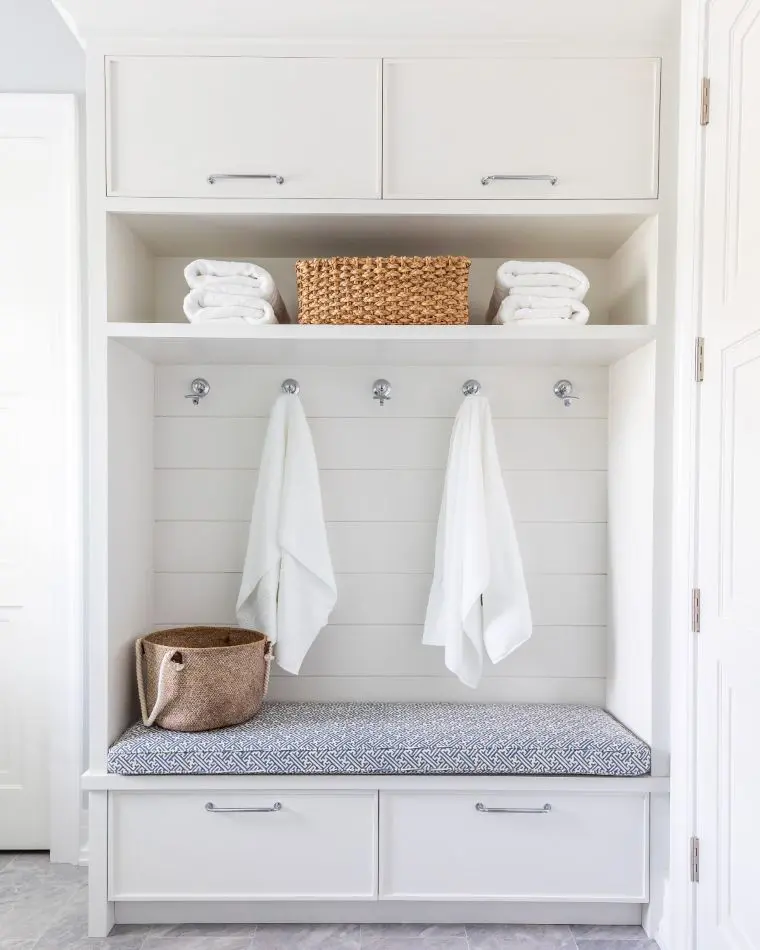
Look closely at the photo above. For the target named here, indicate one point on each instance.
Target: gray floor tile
(29, 916)
(197, 942)
(427, 931)
(643, 944)
(69, 930)
(307, 937)
(16, 944)
(415, 943)
(519, 937)
(202, 930)
(607, 932)
(6, 857)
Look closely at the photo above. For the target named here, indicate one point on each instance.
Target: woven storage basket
(393, 290)
(197, 678)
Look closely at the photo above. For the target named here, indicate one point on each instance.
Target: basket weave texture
(198, 678)
(383, 290)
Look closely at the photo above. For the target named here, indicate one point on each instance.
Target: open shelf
(171, 343)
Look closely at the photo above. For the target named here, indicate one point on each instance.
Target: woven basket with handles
(378, 290)
(196, 678)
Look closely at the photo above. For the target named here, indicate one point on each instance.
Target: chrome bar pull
(210, 806)
(487, 179)
(213, 179)
(483, 809)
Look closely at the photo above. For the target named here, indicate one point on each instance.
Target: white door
(729, 532)
(38, 538)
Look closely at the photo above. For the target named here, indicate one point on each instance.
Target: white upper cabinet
(284, 128)
(521, 128)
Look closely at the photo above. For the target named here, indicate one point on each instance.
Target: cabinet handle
(479, 806)
(487, 179)
(210, 806)
(213, 179)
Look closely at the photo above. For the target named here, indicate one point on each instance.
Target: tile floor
(43, 906)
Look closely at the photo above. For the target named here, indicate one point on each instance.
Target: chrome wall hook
(563, 389)
(471, 387)
(199, 389)
(291, 387)
(381, 390)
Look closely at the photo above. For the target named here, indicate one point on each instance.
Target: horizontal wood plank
(411, 495)
(378, 547)
(437, 689)
(524, 444)
(346, 391)
(378, 599)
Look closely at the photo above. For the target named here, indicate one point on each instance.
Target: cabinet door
(242, 846)
(591, 124)
(524, 846)
(176, 121)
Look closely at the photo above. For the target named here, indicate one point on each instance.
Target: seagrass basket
(197, 678)
(383, 290)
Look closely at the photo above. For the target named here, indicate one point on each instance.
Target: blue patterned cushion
(393, 739)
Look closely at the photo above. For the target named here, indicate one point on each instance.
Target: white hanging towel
(288, 588)
(478, 600)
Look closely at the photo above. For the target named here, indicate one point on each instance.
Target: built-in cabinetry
(491, 150)
(251, 127)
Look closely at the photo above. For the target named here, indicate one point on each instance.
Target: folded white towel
(521, 274)
(197, 272)
(229, 276)
(537, 278)
(202, 305)
(516, 308)
(288, 588)
(478, 599)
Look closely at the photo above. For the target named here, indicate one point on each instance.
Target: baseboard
(366, 912)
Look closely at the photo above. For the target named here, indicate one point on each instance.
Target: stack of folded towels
(549, 294)
(233, 292)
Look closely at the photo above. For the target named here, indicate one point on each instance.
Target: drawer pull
(479, 806)
(213, 179)
(210, 806)
(487, 179)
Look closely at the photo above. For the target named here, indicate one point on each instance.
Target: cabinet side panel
(130, 516)
(631, 539)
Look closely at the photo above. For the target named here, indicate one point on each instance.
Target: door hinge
(694, 860)
(696, 609)
(704, 103)
(699, 359)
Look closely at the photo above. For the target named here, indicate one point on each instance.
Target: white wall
(38, 53)
(382, 472)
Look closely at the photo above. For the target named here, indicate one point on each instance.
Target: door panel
(729, 511)
(173, 121)
(591, 123)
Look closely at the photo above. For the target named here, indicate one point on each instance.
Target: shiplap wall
(382, 473)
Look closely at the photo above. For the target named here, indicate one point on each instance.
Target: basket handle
(148, 720)
(268, 657)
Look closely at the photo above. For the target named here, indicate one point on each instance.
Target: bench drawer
(265, 846)
(514, 846)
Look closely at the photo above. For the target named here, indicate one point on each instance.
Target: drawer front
(592, 123)
(585, 847)
(173, 121)
(169, 846)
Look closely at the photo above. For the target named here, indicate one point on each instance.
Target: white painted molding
(678, 930)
